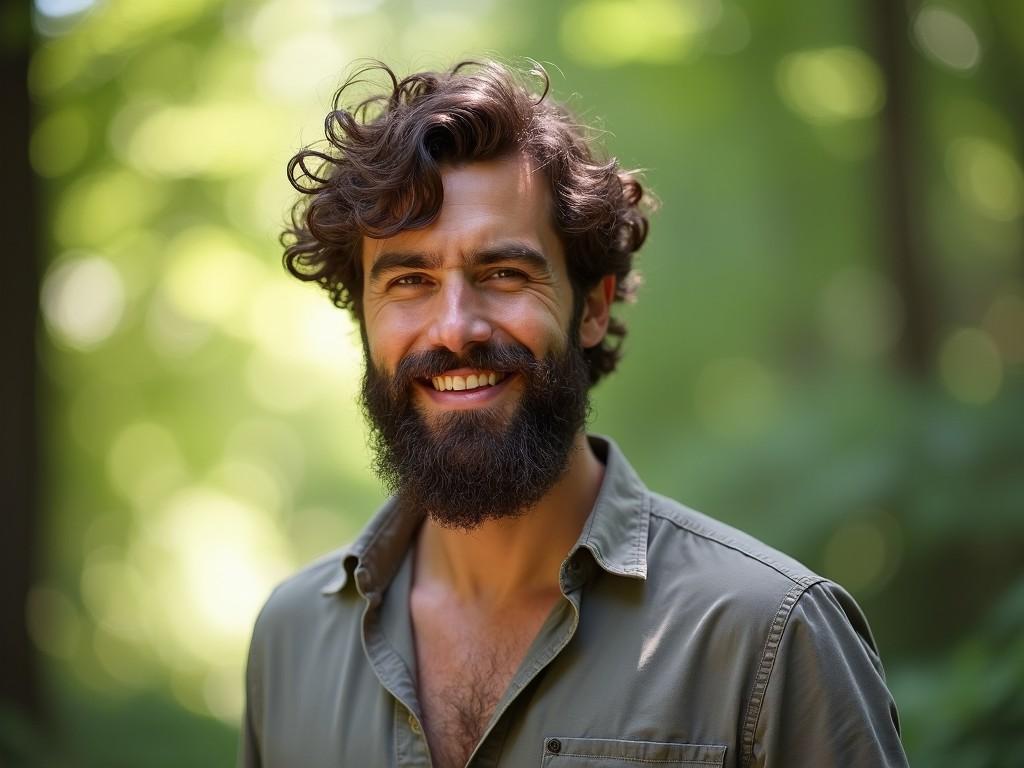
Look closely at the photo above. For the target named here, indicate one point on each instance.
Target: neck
(502, 560)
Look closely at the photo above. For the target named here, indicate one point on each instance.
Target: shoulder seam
(804, 580)
(765, 668)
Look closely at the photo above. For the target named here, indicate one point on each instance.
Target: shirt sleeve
(826, 704)
(248, 743)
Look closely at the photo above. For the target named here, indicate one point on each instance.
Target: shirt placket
(410, 743)
(572, 578)
(411, 750)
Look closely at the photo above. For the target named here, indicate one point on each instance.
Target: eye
(408, 281)
(506, 273)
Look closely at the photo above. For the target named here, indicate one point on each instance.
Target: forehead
(485, 203)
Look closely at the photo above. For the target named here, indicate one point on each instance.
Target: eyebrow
(520, 252)
(394, 260)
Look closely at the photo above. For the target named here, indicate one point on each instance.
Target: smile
(472, 381)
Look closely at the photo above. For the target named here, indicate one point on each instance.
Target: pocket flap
(566, 752)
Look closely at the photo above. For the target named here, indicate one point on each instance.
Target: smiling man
(523, 599)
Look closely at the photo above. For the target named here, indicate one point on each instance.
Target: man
(523, 599)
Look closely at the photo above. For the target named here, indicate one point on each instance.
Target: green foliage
(965, 709)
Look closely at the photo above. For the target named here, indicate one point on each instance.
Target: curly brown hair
(381, 173)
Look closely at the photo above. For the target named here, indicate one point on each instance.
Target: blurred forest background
(828, 351)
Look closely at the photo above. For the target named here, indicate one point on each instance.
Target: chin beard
(467, 467)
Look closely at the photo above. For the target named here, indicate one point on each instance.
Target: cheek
(538, 325)
(388, 336)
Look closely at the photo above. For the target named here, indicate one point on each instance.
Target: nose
(460, 320)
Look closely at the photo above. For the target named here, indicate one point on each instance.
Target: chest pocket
(566, 752)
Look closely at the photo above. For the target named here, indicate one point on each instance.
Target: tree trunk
(902, 233)
(18, 311)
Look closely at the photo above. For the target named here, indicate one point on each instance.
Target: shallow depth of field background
(828, 350)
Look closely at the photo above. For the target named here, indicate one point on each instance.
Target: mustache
(502, 358)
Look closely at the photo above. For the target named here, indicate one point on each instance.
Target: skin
(472, 276)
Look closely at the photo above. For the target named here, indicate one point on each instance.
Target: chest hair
(464, 669)
(465, 660)
(459, 695)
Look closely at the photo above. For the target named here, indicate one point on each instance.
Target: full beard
(467, 467)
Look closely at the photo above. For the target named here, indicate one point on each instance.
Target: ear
(597, 304)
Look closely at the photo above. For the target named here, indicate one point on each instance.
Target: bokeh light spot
(607, 33)
(102, 533)
(947, 38)
(286, 68)
(220, 557)
(970, 366)
(438, 33)
(274, 20)
(294, 324)
(209, 275)
(57, 63)
(987, 177)
(218, 139)
(58, 8)
(122, 24)
(187, 689)
(102, 206)
(170, 332)
(831, 85)
(82, 300)
(222, 695)
(862, 553)
(255, 202)
(732, 33)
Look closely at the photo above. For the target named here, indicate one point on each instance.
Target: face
(475, 374)
(490, 269)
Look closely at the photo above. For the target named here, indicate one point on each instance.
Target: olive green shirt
(679, 642)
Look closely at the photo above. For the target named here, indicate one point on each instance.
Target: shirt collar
(615, 533)
(374, 557)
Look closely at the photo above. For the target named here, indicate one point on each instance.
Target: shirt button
(554, 746)
(414, 725)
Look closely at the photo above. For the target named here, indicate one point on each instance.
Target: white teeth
(461, 383)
